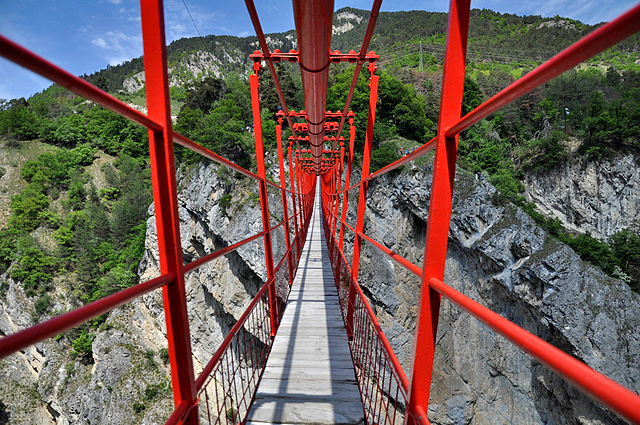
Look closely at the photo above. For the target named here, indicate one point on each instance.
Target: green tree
(83, 346)
(626, 248)
(384, 155)
(472, 97)
(33, 267)
(28, 208)
(205, 94)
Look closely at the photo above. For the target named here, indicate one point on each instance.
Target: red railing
(386, 396)
(249, 341)
(382, 382)
(228, 383)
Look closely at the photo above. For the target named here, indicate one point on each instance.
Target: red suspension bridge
(234, 385)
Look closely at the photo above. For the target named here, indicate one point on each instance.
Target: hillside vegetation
(95, 223)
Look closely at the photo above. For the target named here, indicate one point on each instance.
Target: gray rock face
(500, 258)
(48, 384)
(496, 255)
(126, 381)
(134, 83)
(192, 66)
(601, 197)
(218, 292)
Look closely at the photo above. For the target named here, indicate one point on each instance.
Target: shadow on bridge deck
(309, 375)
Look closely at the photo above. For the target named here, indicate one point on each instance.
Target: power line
(194, 22)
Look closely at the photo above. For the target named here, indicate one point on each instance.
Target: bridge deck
(309, 375)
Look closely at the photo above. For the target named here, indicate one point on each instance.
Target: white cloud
(178, 23)
(132, 15)
(100, 43)
(115, 1)
(121, 47)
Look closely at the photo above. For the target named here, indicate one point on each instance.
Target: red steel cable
(597, 41)
(373, 16)
(35, 63)
(267, 56)
(52, 327)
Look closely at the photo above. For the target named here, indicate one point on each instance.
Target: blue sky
(85, 36)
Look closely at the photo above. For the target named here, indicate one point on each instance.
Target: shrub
(224, 203)
(82, 345)
(41, 306)
(383, 156)
(164, 355)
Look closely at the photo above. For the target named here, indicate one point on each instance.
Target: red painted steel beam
(314, 23)
(264, 199)
(379, 333)
(420, 415)
(347, 180)
(436, 238)
(283, 183)
(427, 147)
(613, 395)
(179, 414)
(339, 183)
(362, 196)
(40, 66)
(183, 141)
(371, 24)
(293, 196)
(594, 43)
(52, 327)
(166, 206)
(253, 13)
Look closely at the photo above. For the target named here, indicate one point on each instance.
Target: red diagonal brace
(264, 201)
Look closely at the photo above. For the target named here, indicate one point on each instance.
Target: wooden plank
(309, 376)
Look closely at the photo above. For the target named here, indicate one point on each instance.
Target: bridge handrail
(303, 197)
(590, 45)
(621, 400)
(613, 395)
(386, 397)
(52, 327)
(238, 362)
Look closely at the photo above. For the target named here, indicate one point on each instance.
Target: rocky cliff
(496, 255)
(500, 258)
(598, 196)
(126, 379)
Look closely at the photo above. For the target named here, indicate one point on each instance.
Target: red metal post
(440, 206)
(293, 195)
(362, 200)
(345, 200)
(52, 327)
(285, 208)
(300, 190)
(339, 180)
(264, 201)
(166, 206)
(314, 24)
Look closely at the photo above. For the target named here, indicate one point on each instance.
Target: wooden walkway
(309, 376)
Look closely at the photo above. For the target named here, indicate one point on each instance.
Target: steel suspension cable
(375, 10)
(269, 60)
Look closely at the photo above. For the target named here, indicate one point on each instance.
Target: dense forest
(96, 219)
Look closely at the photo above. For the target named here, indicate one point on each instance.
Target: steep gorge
(600, 196)
(500, 258)
(496, 255)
